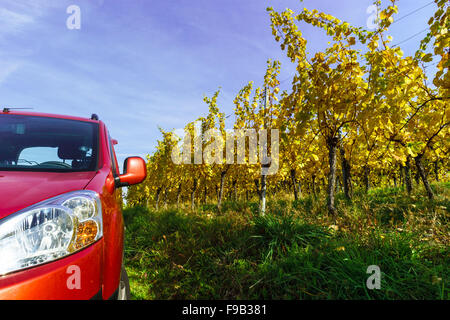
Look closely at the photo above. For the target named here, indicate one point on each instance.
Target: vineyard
(362, 145)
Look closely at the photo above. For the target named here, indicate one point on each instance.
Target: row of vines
(359, 114)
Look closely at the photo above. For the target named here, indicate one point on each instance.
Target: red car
(61, 223)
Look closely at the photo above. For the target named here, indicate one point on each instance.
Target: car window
(39, 155)
(47, 144)
(114, 164)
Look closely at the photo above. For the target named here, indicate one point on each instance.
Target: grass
(296, 251)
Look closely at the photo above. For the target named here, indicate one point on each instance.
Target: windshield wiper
(28, 161)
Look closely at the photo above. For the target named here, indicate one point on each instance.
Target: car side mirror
(135, 171)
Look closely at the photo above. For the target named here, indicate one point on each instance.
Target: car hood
(19, 190)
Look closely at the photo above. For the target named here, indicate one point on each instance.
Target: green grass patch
(295, 251)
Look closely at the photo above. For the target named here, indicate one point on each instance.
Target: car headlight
(50, 230)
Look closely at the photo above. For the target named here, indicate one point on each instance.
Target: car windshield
(31, 143)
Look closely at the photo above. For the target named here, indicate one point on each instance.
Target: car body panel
(50, 280)
(48, 115)
(34, 187)
(113, 224)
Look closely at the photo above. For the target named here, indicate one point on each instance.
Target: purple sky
(142, 64)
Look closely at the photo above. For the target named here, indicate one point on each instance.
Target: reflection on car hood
(19, 190)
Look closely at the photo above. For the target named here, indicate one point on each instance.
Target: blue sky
(142, 64)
